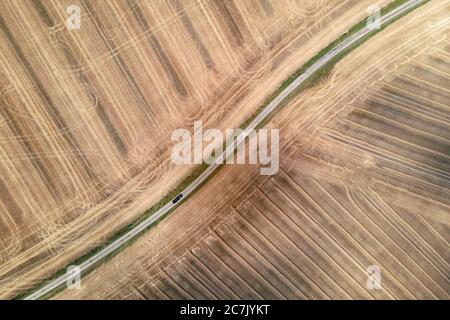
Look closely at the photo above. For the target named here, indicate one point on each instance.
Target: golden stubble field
(364, 180)
(86, 115)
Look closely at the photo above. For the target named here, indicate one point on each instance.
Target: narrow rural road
(346, 43)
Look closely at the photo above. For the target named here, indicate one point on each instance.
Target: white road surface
(56, 283)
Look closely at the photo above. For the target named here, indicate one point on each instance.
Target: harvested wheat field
(86, 115)
(364, 180)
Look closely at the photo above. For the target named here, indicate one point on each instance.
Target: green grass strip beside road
(310, 82)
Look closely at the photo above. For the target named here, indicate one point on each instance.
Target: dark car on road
(177, 198)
